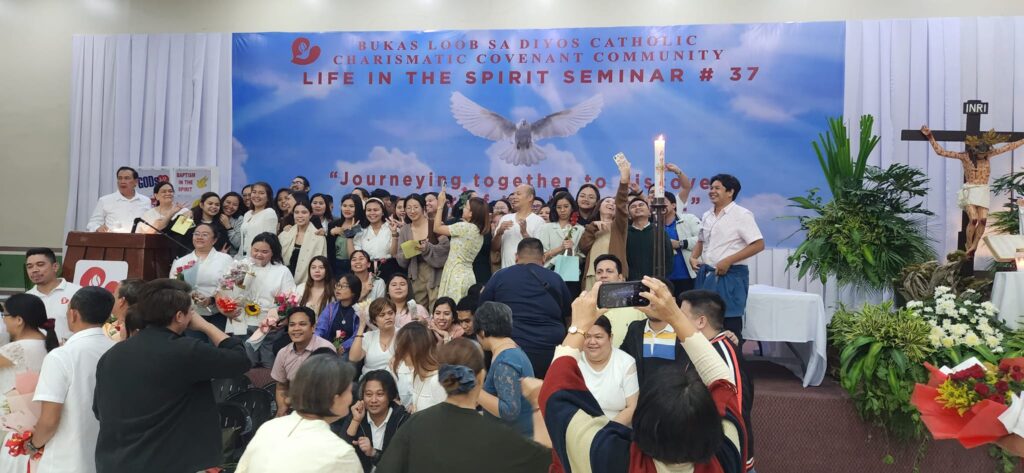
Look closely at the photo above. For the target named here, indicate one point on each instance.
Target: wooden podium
(148, 256)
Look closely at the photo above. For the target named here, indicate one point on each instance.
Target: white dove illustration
(518, 139)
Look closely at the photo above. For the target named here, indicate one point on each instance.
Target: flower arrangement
(179, 273)
(286, 301)
(965, 402)
(236, 275)
(961, 325)
(20, 444)
(231, 284)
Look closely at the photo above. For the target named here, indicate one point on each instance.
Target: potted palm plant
(872, 227)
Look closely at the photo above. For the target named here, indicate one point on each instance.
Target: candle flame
(661, 137)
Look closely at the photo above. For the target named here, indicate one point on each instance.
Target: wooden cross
(974, 109)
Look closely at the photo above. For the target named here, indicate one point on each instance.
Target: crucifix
(974, 196)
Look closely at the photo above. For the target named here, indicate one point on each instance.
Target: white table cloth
(1008, 297)
(790, 317)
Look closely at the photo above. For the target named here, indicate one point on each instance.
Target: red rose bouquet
(965, 402)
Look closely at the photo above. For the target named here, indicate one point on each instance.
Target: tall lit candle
(659, 166)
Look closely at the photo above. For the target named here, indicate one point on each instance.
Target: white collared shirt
(377, 431)
(254, 223)
(376, 244)
(511, 238)
(118, 212)
(726, 234)
(291, 443)
(68, 377)
(57, 305)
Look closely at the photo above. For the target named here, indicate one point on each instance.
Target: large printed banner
(489, 110)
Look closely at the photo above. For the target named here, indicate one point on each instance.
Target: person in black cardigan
(153, 397)
(377, 407)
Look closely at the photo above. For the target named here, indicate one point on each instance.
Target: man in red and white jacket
(706, 310)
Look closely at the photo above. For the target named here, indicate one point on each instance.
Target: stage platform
(817, 429)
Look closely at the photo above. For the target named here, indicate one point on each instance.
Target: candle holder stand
(658, 208)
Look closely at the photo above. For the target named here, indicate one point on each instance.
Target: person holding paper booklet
(165, 214)
(423, 252)
(467, 237)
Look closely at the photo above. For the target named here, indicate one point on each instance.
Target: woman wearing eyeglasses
(202, 269)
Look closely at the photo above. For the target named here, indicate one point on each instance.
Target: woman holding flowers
(202, 269)
(267, 278)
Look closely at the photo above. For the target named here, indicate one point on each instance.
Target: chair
(259, 405)
(271, 388)
(235, 424)
(223, 388)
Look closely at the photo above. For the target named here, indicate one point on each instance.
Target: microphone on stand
(176, 242)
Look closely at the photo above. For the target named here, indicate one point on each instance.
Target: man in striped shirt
(706, 309)
(653, 344)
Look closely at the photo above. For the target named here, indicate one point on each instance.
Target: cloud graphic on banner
(414, 131)
(760, 109)
(517, 140)
(768, 208)
(239, 156)
(286, 91)
(381, 160)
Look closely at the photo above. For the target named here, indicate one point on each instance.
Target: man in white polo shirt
(67, 426)
(42, 268)
(728, 237)
(514, 227)
(117, 212)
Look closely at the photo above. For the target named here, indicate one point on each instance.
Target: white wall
(35, 56)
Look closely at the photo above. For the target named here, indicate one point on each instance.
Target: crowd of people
(424, 332)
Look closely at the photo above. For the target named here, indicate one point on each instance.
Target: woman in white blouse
(375, 348)
(380, 238)
(300, 242)
(415, 367)
(25, 320)
(205, 266)
(302, 442)
(610, 373)
(262, 218)
(269, 278)
(166, 210)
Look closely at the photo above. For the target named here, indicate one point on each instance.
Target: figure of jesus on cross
(974, 196)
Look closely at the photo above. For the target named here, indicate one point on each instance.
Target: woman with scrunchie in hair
(424, 443)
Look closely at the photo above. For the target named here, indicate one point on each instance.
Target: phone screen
(621, 294)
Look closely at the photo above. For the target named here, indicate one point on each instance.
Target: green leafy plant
(1008, 221)
(840, 170)
(868, 235)
(881, 358)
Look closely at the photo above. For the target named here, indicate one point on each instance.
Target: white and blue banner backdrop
(488, 110)
(271, 105)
